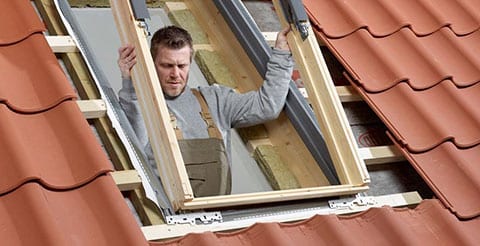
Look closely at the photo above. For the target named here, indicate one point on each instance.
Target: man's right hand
(282, 43)
(126, 60)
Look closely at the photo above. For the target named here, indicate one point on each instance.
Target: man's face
(172, 67)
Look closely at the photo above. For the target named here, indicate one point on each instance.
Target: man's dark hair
(172, 37)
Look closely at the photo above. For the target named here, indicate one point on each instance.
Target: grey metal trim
(112, 100)
(301, 115)
(295, 14)
(139, 8)
(296, 107)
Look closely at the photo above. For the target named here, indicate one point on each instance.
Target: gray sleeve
(129, 103)
(255, 107)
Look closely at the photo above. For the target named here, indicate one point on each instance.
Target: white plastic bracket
(192, 218)
(352, 203)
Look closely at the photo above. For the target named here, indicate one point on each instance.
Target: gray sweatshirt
(229, 109)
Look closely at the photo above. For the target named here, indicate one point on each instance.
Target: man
(202, 117)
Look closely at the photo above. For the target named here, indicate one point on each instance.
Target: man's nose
(175, 72)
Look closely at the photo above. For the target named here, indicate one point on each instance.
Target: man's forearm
(277, 78)
(129, 103)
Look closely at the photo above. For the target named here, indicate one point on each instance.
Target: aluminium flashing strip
(427, 224)
(237, 221)
(296, 107)
(153, 188)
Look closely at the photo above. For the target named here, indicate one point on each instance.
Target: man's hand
(126, 60)
(281, 42)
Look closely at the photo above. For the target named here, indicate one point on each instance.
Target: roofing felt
(55, 188)
(430, 223)
(421, 80)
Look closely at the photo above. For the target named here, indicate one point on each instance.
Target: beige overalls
(205, 158)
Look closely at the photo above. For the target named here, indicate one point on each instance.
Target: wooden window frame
(322, 96)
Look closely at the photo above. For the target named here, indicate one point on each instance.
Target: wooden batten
(92, 109)
(127, 180)
(62, 44)
(381, 154)
(348, 94)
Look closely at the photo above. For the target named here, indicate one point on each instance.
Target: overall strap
(213, 131)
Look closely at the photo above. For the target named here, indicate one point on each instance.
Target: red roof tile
(455, 115)
(94, 214)
(32, 80)
(462, 194)
(339, 18)
(380, 63)
(55, 147)
(424, 87)
(428, 224)
(17, 21)
(54, 189)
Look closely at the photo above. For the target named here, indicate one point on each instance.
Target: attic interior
(85, 40)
